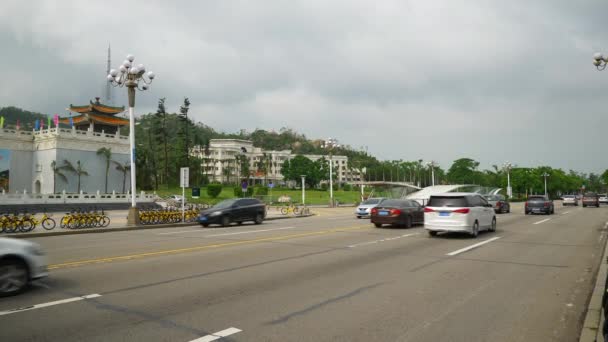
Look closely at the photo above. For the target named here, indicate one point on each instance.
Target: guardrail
(71, 198)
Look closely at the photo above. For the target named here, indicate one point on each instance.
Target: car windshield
(493, 198)
(568, 196)
(224, 204)
(372, 201)
(447, 201)
(590, 194)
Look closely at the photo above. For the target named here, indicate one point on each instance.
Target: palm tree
(124, 168)
(106, 153)
(57, 172)
(78, 170)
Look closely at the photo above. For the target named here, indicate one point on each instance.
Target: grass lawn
(312, 196)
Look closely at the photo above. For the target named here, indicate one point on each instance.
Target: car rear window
(590, 194)
(393, 203)
(448, 201)
(536, 199)
(372, 201)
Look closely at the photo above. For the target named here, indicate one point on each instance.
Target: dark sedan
(236, 210)
(499, 203)
(397, 213)
(537, 204)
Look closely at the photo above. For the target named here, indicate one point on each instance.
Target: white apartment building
(220, 162)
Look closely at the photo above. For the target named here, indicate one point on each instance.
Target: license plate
(382, 213)
(444, 213)
(204, 218)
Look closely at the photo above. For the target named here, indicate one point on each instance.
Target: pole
(133, 215)
(183, 203)
(303, 190)
(331, 183)
(509, 192)
(545, 175)
(433, 174)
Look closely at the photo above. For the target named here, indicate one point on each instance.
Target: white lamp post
(131, 76)
(331, 182)
(546, 175)
(303, 189)
(507, 166)
(432, 165)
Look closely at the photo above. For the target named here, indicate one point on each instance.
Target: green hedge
(214, 190)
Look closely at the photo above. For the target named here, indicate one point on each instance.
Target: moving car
(236, 210)
(539, 204)
(176, 198)
(364, 209)
(570, 200)
(459, 212)
(499, 203)
(591, 199)
(21, 262)
(603, 198)
(397, 212)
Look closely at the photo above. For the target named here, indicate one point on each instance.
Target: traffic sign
(184, 177)
(271, 185)
(196, 192)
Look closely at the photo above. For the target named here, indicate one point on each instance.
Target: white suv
(459, 212)
(21, 261)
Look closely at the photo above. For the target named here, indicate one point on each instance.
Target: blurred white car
(176, 198)
(603, 198)
(21, 261)
(459, 212)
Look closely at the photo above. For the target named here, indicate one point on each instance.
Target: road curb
(592, 326)
(124, 229)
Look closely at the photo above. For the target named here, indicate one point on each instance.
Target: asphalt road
(325, 278)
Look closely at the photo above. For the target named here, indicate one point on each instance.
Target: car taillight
(547, 204)
(462, 211)
(428, 210)
(395, 212)
(526, 204)
(374, 211)
(498, 204)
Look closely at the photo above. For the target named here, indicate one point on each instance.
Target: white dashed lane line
(45, 305)
(541, 221)
(218, 335)
(466, 249)
(381, 240)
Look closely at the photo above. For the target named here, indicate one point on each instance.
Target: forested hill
(25, 117)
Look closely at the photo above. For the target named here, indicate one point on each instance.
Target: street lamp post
(331, 182)
(131, 76)
(507, 166)
(303, 189)
(432, 165)
(546, 175)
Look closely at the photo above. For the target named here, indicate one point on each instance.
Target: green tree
(79, 170)
(162, 132)
(299, 165)
(106, 154)
(57, 173)
(124, 169)
(183, 132)
(464, 171)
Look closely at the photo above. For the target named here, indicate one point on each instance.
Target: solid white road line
(382, 240)
(249, 232)
(218, 335)
(541, 221)
(466, 249)
(182, 231)
(565, 212)
(44, 305)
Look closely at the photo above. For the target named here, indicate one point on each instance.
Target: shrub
(261, 190)
(238, 192)
(347, 187)
(214, 190)
(324, 186)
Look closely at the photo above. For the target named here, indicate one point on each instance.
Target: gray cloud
(491, 80)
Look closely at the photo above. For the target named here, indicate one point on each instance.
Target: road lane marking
(381, 240)
(182, 231)
(200, 248)
(466, 249)
(250, 231)
(541, 221)
(565, 212)
(44, 305)
(218, 335)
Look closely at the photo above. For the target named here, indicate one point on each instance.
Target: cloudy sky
(420, 79)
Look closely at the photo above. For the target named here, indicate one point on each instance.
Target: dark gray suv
(237, 210)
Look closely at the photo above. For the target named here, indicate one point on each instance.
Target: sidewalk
(118, 222)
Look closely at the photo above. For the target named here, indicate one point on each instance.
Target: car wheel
(225, 221)
(584, 206)
(14, 277)
(258, 219)
(475, 229)
(358, 217)
(378, 225)
(432, 233)
(239, 222)
(408, 222)
(205, 225)
(493, 226)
